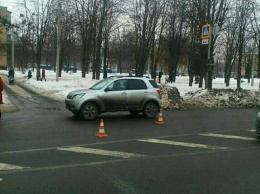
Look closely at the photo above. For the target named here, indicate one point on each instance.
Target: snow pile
(171, 98)
(215, 98)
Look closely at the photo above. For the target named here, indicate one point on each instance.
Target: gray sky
(12, 5)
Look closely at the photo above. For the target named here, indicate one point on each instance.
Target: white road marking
(230, 137)
(101, 152)
(252, 130)
(185, 144)
(4, 166)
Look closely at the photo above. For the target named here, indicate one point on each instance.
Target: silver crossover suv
(116, 93)
(258, 123)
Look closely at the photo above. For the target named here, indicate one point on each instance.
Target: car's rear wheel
(89, 111)
(150, 110)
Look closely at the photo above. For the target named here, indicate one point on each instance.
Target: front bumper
(71, 105)
(258, 127)
(258, 124)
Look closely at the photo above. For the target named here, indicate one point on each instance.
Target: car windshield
(99, 85)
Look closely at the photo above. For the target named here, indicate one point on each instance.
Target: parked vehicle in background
(258, 123)
(70, 68)
(116, 93)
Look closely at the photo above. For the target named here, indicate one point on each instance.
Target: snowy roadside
(193, 95)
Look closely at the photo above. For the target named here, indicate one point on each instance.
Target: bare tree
(86, 15)
(144, 16)
(38, 13)
(159, 28)
(256, 29)
(5, 25)
(122, 49)
(175, 35)
(208, 12)
(69, 39)
(96, 20)
(22, 37)
(243, 13)
(230, 48)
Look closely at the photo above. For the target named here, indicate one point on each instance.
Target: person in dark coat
(1, 90)
(11, 72)
(160, 76)
(43, 74)
(11, 75)
(197, 79)
(171, 78)
(29, 74)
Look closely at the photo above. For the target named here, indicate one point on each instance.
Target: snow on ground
(72, 81)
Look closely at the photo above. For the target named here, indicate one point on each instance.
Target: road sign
(205, 41)
(206, 31)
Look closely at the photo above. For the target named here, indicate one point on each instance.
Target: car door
(114, 97)
(136, 93)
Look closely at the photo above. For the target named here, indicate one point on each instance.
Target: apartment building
(5, 15)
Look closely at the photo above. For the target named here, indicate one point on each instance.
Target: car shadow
(111, 116)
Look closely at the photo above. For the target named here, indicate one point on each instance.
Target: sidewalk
(7, 106)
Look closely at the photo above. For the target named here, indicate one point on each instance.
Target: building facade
(5, 16)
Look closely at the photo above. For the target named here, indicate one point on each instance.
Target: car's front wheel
(150, 110)
(89, 111)
(76, 113)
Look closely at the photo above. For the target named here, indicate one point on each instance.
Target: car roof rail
(121, 76)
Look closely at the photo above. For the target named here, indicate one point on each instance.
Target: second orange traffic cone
(160, 119)
(101, 131)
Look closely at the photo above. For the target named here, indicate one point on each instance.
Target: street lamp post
(253, 67)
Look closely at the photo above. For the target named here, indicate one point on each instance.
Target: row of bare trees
(144, 35)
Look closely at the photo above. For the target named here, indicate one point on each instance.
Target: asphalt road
(45, 149)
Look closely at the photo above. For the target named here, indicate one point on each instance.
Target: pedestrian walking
(160, 76)
(1, 95)
(171, 77)
(43, 74)
(11, 72)
(130, 73)
(11, 76)
(197, 79)
(29, 74)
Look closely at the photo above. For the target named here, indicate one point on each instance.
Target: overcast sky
(12, 5)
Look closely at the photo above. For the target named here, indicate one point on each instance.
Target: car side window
(117, 85)
(135, 84)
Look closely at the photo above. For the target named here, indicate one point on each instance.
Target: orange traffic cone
(160, 119)
(101, 131)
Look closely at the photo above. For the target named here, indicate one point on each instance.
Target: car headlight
(78, 96)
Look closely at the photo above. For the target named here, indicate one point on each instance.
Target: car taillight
(159, 92)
